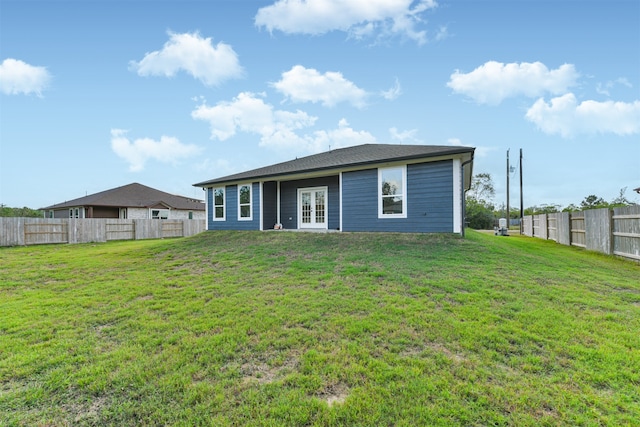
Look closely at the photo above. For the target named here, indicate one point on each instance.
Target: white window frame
(250, 204)
(160, 211)
(403, 194)
(223, 205)
(76, 212)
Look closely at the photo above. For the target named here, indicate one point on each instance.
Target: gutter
(464, 192)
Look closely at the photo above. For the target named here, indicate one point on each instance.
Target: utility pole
(521, 199)
(508, 172)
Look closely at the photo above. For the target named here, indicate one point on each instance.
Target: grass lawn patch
(277, 328)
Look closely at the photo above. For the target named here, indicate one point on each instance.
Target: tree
(479, 202)
(593, 202)
(482, 188)
(621, 200)
(479, 216)
(6, 211)
(542, 209)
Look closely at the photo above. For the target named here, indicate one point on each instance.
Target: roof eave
(226, 180)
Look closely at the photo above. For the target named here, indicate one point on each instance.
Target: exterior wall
(137, 213)
(289, 200)
(269, 205)
(61, 213)
(132, 213)
(105, 212)
(183, 214)
(231, 206)
(429, 200)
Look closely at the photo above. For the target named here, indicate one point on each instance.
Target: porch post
(261, 206)
(340, 198)
(278, 203)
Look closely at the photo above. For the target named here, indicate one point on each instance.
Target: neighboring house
(371, 187)
(133, 201)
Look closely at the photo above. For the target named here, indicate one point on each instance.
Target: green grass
(277, 328)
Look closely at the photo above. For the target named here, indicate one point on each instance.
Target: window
(392, 196)
(190, 215)
(244, 202)
(159, 213)
(74, 213)
(218, 204)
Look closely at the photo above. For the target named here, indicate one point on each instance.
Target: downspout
(464, 192)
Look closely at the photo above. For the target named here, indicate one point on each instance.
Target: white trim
(206, 207)
(76, 212)
(457, 196)
(403, 169)
(261, 188)
(278, 203)
(224, 203)
(160, 210)
(340, 197)
(325, 225)
(250, 217)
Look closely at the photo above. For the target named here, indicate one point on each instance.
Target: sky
(97, 94)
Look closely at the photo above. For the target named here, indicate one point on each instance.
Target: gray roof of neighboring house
(360, 155)
(133, 196)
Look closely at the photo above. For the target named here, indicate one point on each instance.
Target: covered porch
(311, 204)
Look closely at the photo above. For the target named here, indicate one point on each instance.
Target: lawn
(278, 328)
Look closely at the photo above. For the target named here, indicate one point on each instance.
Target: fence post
(544, 227)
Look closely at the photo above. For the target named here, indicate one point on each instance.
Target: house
(132, 201)
(370, 187)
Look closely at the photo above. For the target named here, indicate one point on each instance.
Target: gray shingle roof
(132, 196)
(359, 155)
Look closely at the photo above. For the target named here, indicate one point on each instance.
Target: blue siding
(289, 200)
(269, 204)
(429, 200)
(231, 206)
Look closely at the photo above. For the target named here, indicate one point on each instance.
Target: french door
(312, 208)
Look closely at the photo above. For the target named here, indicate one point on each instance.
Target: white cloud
(136, 153)
(393, 93)
(193, 54)
(566, 117)
(302, 84)
(493, 82)
(342, 136)
(278, 129)
(249, 113)
(359, 18)
(604, 89)
(18, 77)
(406, 135)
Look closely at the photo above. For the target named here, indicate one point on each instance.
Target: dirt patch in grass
(451, 355)
(335, 394)
(263, 373)
(85, 412)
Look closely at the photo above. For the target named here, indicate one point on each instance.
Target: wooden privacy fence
(610, 231)
(35, 231)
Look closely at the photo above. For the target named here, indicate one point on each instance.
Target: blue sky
(97, 94)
